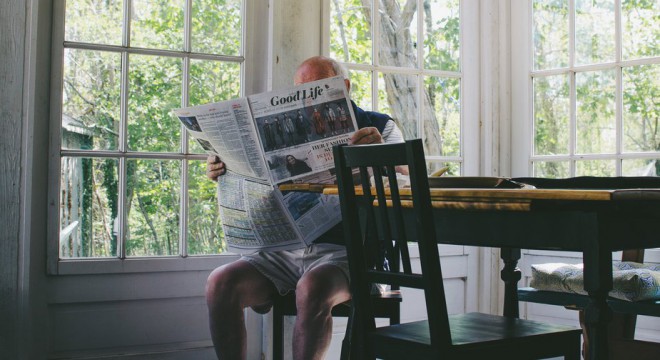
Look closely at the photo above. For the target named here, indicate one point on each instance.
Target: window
(595, 83)
(411, 53)
(585, 89)
(131, 179)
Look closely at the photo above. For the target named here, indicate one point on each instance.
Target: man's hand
(367, 135)
(214, 167)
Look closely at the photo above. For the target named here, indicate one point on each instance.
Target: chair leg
(585, 335)
(574, 352)
(278, 335)
(395, 315)
(348, 337)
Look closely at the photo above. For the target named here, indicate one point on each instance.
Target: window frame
(468, 75)
(120, 263)
(522, 100)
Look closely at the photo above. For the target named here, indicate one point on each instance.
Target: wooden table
(594, 222)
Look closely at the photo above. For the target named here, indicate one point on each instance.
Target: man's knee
(221, 283)
(322, 289)
(238, 284)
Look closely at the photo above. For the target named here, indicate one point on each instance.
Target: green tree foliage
(352, 42)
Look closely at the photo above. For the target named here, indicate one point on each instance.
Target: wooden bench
(622, 328)
(621, 335)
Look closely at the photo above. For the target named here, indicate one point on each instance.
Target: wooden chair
(461, 336)
(385, 305)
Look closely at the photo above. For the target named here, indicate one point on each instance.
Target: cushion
(631, 281)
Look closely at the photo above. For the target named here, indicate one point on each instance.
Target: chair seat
(384, 304)
(474, 333)
(578, 301)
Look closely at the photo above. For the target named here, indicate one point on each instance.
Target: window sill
(141, 265)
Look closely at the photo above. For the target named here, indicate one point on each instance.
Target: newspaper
(269, 139)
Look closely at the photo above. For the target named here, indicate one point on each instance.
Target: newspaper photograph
(298, 127)
(269, 139)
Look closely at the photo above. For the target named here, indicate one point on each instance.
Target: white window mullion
(374, 90)
(183, 195)
(572, 123)
(122, 221)
(618, 107)
(375, 49)
(420, 65)
(55, 163)
(469, 80)
(572, 92)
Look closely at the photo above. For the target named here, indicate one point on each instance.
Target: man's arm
(371, 135)
(366, 135)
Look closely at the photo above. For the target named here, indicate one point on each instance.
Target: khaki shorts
(284, 268)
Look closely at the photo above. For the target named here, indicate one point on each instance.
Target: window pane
(154, 90)
(551, 115)
(213, 81)
(361, 89)
(595, 168)
(90, 100)
(596, 121)
(442, 116)
(550, 34)
(641, 167)
(641, 112)
(217, 26)
(205, 234)
(442, 42)
(152, 189)
(551, 169)
(93, 21)
(594, 31)
(400, 92)
(157, 24)
(88, 207)
(398, 35)
(640, 22)
(350, 31)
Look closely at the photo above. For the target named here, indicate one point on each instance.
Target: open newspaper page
(250, 210)
(268, 139)
(298, 128)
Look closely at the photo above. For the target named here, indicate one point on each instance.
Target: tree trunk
(397, 49)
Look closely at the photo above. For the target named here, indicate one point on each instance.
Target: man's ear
(348, 85)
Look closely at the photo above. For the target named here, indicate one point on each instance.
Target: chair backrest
(383, 208)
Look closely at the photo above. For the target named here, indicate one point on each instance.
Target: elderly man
(317, 273)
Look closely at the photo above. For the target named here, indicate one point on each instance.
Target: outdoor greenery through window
(404, 60)
(132, 181)
(596, 88)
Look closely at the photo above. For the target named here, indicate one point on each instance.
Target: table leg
(597, 259)
(510, 274)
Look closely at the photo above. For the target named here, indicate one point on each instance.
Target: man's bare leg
(317, 292)
(229, 289)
